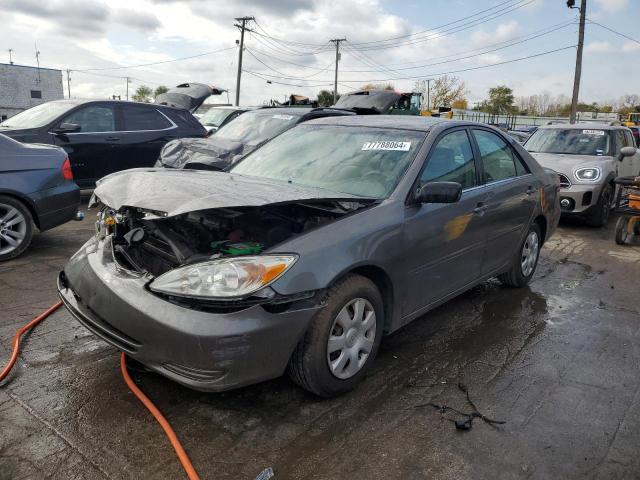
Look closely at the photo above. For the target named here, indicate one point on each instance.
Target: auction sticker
(593, 132)
(282, 117)
(387, 145)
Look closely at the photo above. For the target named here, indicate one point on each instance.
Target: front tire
(16, 228)
(343, 339)
(600, 216)
(525, 263)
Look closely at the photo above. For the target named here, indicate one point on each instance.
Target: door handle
(531, 190)
(112, 139)
(480, 209)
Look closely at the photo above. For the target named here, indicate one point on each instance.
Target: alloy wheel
(13, 228)
(351, 338)
(530, 251)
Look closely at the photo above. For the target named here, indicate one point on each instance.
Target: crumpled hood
(174, 192)
(215, 151)
(566, 164)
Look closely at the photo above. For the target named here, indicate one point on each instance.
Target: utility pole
(68, 83)
(578, 71)
(128, 81)
(10, 58)
(429, 94)
(335, 82)
(242, 28)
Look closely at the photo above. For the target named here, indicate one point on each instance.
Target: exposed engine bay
(146, 243)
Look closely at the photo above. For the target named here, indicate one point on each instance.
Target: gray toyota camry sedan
(302, 256)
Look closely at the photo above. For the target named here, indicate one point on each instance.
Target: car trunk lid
(188, 95)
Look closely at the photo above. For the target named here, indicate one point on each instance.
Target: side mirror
(439, 192)
(627, 152)
(67, 128)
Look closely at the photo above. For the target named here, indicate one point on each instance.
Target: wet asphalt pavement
(558, 361)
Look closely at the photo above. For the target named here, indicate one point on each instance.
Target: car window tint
(497, 157)
(141, 118)
(94, 118)
(451, 160)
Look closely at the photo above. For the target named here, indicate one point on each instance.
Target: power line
(435, 28)
(250, 52)
(481, 51)
(614, 31)
(450, 31)
(121, 67)
(414, 77)
(269, 80)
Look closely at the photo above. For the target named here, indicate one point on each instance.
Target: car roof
(404, 122)
(583, 126)
(83, 101)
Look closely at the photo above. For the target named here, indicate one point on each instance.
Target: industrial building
(23, 87)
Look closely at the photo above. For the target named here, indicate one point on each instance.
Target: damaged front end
(217, 259)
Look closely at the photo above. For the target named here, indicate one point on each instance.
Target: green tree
(500, 100)
(443, 91)
(143, 94)
(160, 89)
(325, 98)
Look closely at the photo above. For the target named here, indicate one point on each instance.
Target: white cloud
(598, 47)
(504, 31)
(612, 5)
(630, 46)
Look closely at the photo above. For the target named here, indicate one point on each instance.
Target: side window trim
(170, 127)
(514, 154)
(103, 105)
(436, 141)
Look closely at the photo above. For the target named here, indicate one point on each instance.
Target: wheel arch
(26, 201)
(383, 283)
(541, 221)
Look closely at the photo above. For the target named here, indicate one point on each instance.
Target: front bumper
(580, 197)
(201, 350)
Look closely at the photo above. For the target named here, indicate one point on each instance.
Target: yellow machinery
(631, 119)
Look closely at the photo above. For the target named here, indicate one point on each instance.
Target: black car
(36, 187)
(217, 117)
(105, 136)
(236, 139)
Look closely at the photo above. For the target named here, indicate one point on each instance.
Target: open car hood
(217, 151)
(377, 101)
(167, 193)
(188, 95)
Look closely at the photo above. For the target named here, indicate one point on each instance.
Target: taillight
(66, 170)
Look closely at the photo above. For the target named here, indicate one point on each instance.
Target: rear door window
(143, 118)
(497, 157)
(451, 160)
(93, 119)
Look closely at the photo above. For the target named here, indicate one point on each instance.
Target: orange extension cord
(182, 455)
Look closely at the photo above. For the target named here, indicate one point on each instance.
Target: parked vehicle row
(308, 250)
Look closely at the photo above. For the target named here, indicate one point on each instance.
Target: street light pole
(578, 70)
(335, 82)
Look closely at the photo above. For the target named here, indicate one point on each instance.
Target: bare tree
(444, 90)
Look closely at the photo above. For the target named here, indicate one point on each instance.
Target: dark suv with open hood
(106, 136)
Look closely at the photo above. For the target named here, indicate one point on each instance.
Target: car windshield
(215, 116)
(366, 162)
(38, 116)
(252, 128)
(572, 141)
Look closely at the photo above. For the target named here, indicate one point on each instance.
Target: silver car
(587, 157)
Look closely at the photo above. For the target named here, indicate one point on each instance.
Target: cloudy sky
(290, 44)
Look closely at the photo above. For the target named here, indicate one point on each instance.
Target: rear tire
(16, 228)
(526, 260)
(622, 229)
(331, 359)
(600, 216)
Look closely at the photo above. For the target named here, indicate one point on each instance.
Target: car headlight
(588, 174)
(223, 278)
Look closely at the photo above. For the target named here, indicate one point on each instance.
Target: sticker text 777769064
(387, 145)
